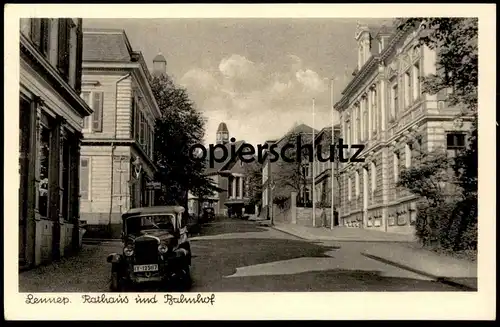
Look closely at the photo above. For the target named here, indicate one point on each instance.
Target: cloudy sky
(257, 75)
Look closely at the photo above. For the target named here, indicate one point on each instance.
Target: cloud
(311, 81)
(258, 102)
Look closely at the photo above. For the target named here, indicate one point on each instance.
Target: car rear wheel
(115, 284)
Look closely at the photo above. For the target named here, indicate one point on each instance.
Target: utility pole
(313, 170)
(332, 204)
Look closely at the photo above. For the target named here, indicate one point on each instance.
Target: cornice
(56, 80)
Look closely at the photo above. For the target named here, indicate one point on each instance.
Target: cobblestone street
(234, 255)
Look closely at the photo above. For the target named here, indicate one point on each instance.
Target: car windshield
(137, 224)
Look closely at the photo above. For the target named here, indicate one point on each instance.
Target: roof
(159, 58)
(222, 128)
(153, 210)
(218, 152)
(106, 45)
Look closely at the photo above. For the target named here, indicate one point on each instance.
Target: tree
(253, 173)
(292, 175)
(456, 43)
(176, 131)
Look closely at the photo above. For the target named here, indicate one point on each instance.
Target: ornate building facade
(384, 109)
(51, 115)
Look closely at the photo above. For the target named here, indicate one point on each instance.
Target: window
(85, 178)
(349, 189)
(396, 166)
(117, 177)
(358, 123)
(365, 118)
(348, 138)
(380, 46)
(63, 51)
(455, 142)
(24, 151)
(136, 117)
(356, 180)
(230, 187)
(44, 157)
(408, 150)
(95, 101)
(374, 110)
(416, 81)
(237, 186)
(408, 90)
(65, 183)
(40, 34)
(373, 168)
(394, 101)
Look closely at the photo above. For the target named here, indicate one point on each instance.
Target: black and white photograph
(197, 157)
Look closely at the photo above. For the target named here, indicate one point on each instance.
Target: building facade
(383, 108)
(117, 164)
(280, 178)
(325, 171)
(230, 176)
(51, 115)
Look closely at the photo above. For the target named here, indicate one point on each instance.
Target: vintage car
(156, 248)
(208, 214)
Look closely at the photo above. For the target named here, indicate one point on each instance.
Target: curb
(338, 240)
(289, 233)
(442, 280)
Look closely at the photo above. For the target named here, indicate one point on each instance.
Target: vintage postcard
(250, 162)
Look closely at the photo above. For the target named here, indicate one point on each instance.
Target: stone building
(383, 108)
(229, 175)
(51, 115)
(117, 152)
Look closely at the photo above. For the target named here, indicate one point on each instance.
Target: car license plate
(145, 268)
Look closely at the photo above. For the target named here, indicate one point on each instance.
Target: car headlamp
(162, 248)
(128, 250)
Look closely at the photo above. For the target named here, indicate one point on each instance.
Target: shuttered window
(86, 98)
(84, 178)
(97, 106)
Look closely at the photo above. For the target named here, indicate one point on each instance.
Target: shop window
(45, 152)
(24, 151)
(65, 182)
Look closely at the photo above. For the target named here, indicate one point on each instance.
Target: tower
(222, 134)
(159, 64)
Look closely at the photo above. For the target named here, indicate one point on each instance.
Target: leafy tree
(456, 43)
(176, 131)
(253, 172)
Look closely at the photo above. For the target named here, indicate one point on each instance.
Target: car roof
(153, 210)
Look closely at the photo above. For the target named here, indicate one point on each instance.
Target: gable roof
(219, 166)
(106, 45)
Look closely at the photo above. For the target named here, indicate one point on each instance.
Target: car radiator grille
(146, 252)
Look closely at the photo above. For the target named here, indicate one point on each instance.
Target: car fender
(114, 258)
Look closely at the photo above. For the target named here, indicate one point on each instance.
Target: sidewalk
(397, 250)
(342, 234)
(442, 268)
